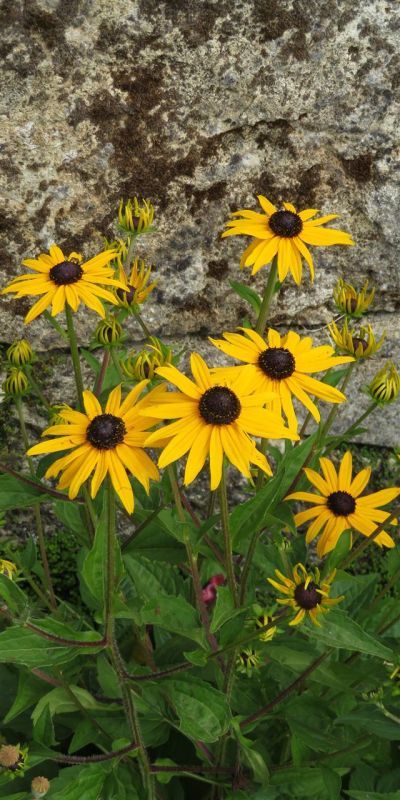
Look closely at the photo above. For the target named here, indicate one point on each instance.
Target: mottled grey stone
(200, 106)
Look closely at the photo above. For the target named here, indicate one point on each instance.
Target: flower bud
(247, 661)
(16, 383)
(142, 365)
(108, 332)
(385, 386)
(7, 568)
(20, 353)
(351, 302)
(135, 217)
(360, 344)
(261, 621)
(138, 287)
(39, 787)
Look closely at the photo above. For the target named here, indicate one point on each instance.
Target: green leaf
(174, 614)
(30, 689)
(28, 555)
(357, 794)
(43, 728)
(59, 701)
(76, 783)
(91, 360)
(22, 646)
(70, 514)
(251, 296)
(14, 597)
(155, 543)
(333, 782)
(93, 570)
(257, 765)
(18, 494)
(224, 609)
(202, 710)
(371, 719)
(151, 579)
(339, 630)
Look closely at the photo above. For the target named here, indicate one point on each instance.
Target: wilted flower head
(16, 383)
(385, 386)
(351, 302)
(13, 759)
(108, 332)
(360, 344)
(135, 217)
(7, 568)
(248, 660)
(39, 787)
(143, 365)
(20, 353)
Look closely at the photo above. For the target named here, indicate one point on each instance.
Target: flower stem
(110, 566)
(267, 297)
(142, 324)
(248, 563)
(117, 366)
(227, 538)
(38, 516)
(355, 424)
(103, 369)
(74, 354)
(326, 426)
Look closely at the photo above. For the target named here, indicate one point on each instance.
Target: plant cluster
(222, 654)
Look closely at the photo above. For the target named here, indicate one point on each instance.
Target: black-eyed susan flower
(216, 414)
(285, 233)
(135, 217)
(305, 593)
(283, 365)
(137, 283)
(248, 660)
(61, 279)
(350, 301)
(16, 383)
(138, 366)
(13, 759)
(359, 343)
(7, 568)
(20, 353)
(339, 506)
(109, 441)
(385, 386)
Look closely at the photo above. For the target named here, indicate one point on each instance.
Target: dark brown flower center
(357, 342)
(277, 362)
(341, 504)
(307, 598)
(66, 272)
(106, 431)
(219, 406)
(127, 297)
(285, 223)
(353, 304)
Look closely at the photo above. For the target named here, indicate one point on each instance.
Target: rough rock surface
(200, 106)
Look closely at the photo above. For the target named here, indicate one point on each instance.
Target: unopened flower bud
(7, 568)
(247, 661)
(135, 217)
(141, 366)
(360, 344)
(350, 301)
(16, 383)
(39, 787)
(261, 622)
(385, 386)
(20, 353)
(108, 332)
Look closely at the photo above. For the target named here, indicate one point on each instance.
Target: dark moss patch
(273, 17)
(359, 168)
(310, 180)
(218, 269)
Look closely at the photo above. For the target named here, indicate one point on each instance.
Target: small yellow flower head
(108, 332)
(351, 302)
(385, 386)
(144, 364)
(138, 286)
(13, 759)
(16, 383)
(261, 621)
(134, 217)
(305, 593)
(20, 353)
(247, 661)
(360, 344)
(39, 787)
(7, 568)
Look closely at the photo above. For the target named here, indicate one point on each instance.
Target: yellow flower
(281, 364)
(134, 217)
(109, 441)
(137, 289)
(284, 233)
(215, 414)
(385, 386)
(360, 344)
(16, 383)
(64, 280)
(305, 593)
(7, 568)
(20, 353)
(247, 661)
(338, 506)
(138, 366)
(350, 301)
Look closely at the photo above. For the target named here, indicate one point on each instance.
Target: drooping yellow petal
(120, 481)
(216, 458)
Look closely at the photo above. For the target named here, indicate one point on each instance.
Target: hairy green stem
(247, 564)
(117, 365)
(110, 565)
(267, 297)
(354, 425)
(36, 510)
(74, 354)
(103, 369)
(227, 538)
(142, 324)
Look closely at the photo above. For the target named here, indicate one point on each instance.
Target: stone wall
(200, 105)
